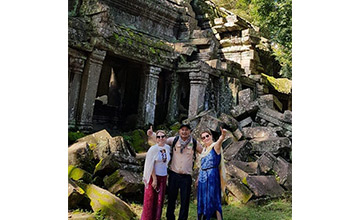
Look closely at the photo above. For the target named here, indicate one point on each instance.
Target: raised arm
(218, 143)
(151, 136)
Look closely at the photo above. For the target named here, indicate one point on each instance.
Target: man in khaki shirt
(180, 170)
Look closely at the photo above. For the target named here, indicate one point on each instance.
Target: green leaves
(274, 17)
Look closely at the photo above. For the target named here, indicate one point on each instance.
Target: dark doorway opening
(116, 105)
(162, 97)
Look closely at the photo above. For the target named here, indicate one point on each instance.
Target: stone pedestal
(147, 101)
(89, 86)
(76, 67)
(198, 82)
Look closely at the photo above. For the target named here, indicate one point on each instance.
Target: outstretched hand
(223, 132)
(150, 131)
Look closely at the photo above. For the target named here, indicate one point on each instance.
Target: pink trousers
(154, 199)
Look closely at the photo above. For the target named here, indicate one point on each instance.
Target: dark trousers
(176, 182)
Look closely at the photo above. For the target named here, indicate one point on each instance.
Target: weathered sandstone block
(264, 186)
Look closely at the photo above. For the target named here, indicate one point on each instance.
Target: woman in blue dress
(211, 179)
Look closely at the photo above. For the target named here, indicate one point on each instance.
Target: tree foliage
(274, 17)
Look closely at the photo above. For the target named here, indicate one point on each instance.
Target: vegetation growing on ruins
(274, 17)
(74, 135)
(125, 37)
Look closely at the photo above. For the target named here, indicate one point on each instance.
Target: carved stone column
(89, 86)
(147, 102)
(76, 67)
(198, 82)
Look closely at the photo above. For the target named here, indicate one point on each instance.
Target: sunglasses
(206, 136)
(160, 136)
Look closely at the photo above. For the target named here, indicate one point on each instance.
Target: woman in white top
(155, 175)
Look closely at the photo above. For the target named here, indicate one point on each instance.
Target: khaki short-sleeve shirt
(182, 163)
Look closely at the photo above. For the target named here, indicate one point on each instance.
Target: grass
(278, 209)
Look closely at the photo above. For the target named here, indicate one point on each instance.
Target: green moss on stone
(244, 181)
(152, 50)
(78, 174)
(106, 204)
(98, 165)
(138, 140)
(74, 135)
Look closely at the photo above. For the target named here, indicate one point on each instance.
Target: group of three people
(181, 150)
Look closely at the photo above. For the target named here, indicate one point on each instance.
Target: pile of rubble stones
(257, 150)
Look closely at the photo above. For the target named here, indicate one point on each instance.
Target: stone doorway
(117, 98)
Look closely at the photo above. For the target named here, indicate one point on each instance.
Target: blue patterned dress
(209, 191)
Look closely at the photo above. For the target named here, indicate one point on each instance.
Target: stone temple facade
(138, 62)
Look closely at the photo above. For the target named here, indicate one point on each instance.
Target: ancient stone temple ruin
(140, 62)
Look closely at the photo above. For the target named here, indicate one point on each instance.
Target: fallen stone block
(80, 155)
(273, 145)
(240, 112)
(238, 151)
(246, 122)
(259, 132)
(193, 121)
(78, 174)
(238, 134)
(107, 203)
(101, 149)
(266, 162)
(119, 145)
(229, 139)
(113, 162)
(287, 116)
(229, 121)
(207, 122)
(75, 194)
(283, 171)
(248, 167)
(264, 186)
(274, 117)
(123, 181)
(238, 191)
(245, 96)
(266, 101)
(94, 138)
(235, 171)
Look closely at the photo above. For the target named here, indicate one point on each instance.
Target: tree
(274, 17)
